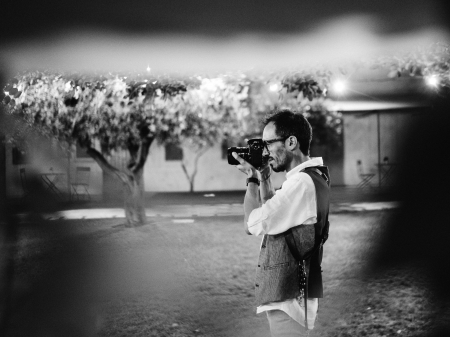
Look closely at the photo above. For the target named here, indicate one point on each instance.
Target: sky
(207, 36)
(33, 18)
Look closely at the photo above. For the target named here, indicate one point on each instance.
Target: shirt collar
(315, 161)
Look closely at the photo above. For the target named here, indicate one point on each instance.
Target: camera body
(253, 154)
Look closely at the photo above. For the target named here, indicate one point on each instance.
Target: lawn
(100, 278)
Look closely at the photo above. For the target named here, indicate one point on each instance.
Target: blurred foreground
(99, 278)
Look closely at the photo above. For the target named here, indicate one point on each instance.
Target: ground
(100, 278)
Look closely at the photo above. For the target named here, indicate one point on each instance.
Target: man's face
(278, 156)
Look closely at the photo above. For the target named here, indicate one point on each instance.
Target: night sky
(205, 36)
(28, 19)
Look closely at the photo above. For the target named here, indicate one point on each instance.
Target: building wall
(214, 173)
(45, 156)
(160, 175)
(362, 141)
(95, 177)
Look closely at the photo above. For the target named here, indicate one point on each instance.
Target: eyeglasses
(267, 143)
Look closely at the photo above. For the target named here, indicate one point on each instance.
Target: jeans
(282, 325)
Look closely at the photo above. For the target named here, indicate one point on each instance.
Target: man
(290, 213)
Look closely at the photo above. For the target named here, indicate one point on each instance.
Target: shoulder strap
(320, 238)
(322, 171)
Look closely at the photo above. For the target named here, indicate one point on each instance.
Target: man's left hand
(245, 167)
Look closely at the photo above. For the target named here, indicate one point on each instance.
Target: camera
(253, 154)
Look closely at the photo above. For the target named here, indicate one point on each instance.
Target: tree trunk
(132, 179)
(191, 177)
(134, 202)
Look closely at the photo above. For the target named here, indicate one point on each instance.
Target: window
(224, 148)
(174, 152)
(19, 157)
(81, 153)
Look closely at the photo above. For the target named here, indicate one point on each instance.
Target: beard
(281, 167)
(279, 162)
(274, 168)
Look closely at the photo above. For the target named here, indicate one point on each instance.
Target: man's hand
(253, 195)
(245, 167)
(263, 173)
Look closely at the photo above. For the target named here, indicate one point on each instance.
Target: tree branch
(142, 155)
(105, 166)
(185, 171)
(197, 157)
(191, 177)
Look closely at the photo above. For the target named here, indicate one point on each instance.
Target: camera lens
(255, 144)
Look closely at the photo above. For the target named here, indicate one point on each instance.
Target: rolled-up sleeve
(294, 204)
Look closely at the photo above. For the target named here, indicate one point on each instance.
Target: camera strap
(321, 235)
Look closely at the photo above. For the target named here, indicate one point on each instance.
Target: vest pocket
(276, 266)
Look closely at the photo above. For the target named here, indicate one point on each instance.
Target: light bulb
(339, 86)
(432, 80)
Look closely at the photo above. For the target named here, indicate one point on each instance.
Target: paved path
(177, 211)
(202, 210)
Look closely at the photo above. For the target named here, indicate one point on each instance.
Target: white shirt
(294, 204)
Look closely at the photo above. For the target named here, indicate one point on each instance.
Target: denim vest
(277, 274)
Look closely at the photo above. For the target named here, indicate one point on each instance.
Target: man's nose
(265, 151)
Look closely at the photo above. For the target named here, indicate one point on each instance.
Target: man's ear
(292, 142)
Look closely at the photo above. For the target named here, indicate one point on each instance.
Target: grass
(99, 278)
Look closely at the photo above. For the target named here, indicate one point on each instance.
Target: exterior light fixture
(339, 87)
(432, 80)
(148, 68)
(273, 87)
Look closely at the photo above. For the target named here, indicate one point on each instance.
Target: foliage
(114, 112)
(433, 61)
(118, 111)
(432, 64)
(215, 111)
(326, 124)
(303, 86)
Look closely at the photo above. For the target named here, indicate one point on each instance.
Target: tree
(305, 94)
(114, 112)
(203, 137)
(102, 115)
(235, 106)
(215, 110)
